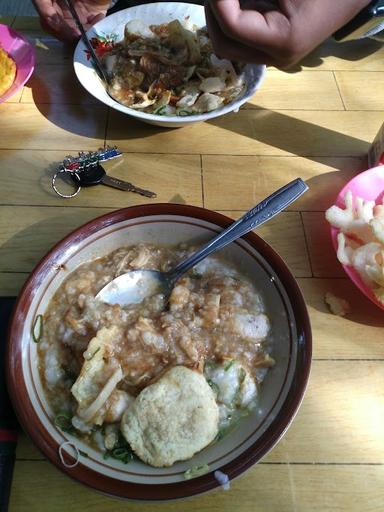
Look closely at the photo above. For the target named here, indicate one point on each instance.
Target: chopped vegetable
(121, 451)
(228, 364)
(196, 471)
(160, 111)
(37, 329)
(214, 386)
(102, 45)
(185, 113)
(63, 420)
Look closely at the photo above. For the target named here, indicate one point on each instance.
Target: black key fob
(88, 176)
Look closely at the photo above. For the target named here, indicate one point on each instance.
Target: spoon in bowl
(135, 286)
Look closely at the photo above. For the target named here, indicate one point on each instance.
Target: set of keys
(85, 170)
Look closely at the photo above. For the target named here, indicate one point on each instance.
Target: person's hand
(277, 33)
(56, 18)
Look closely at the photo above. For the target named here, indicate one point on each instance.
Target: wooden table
(316, 122)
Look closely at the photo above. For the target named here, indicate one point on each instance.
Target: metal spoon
(135, 286)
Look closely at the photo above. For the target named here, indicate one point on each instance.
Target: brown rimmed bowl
(255, 435)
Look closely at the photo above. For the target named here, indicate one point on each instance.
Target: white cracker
(172, 419)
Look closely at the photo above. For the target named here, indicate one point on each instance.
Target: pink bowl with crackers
(370, 186)
(22, 52)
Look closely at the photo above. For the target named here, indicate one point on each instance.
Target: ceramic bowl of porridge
(168, 398)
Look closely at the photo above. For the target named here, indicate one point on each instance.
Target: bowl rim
(145, 116)
(348, 269)
(29, 419)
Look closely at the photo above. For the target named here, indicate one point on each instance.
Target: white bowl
(155, 13)
(254, 436)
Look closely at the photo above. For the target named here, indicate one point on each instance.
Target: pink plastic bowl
(22, 52)
(368, 185)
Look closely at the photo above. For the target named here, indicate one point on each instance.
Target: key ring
(75, 164)
(72, 173)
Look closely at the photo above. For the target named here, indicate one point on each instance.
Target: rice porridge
(98, 362)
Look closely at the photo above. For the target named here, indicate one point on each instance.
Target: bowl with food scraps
(161, 399)
(357, 231)
(161, 67)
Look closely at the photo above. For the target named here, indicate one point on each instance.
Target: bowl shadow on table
(349, 51)
(324, 188)
(58, 83)
(275, 129)
(77, 113)
(291, 135)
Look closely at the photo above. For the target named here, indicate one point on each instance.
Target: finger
(267, 29)
(94, 18)
(62, 30)
(52, 21)
(226, 48)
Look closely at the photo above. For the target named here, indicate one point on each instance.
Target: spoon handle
(259, 214)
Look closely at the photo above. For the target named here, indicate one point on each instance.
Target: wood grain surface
(317, 122)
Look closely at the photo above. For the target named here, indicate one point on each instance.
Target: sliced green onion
(196, 471)
(228, 365)
(37, 329)
(184, 113)
(220, 435)
(95, 352)
(214, 386)
(210, 364)
(160, 111)
(63, 421)
(121, 451)
(122, 454)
